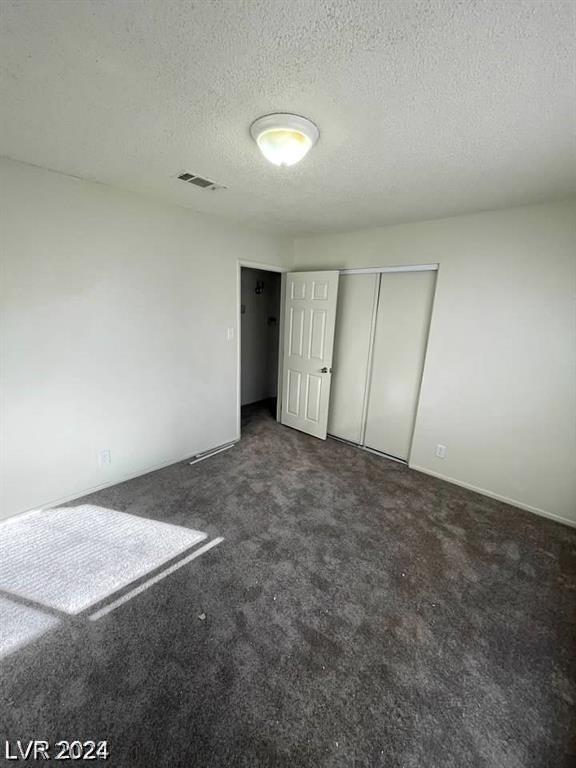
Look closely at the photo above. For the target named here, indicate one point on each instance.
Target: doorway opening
(260, 307)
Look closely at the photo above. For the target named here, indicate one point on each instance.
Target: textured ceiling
(425, 108)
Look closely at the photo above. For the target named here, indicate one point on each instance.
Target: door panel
(403, 319)
(313, 395)
(296, 331)
(293, 393)
(310, 307)
(357, 295)
(317, 334)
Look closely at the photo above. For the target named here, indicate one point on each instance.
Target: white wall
(113, 333)
(259, 359)
(499, 385)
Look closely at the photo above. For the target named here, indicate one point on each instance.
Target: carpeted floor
(357, 614)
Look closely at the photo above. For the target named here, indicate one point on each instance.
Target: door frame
(378, 270)
(243, 263)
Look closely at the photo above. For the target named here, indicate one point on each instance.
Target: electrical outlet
(104, 457)
(441, 451)
(230, 334)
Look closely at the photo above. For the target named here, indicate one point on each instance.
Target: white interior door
(403, 319)
(309, 318)
(357, 296)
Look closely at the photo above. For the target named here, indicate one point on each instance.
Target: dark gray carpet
(358, 614)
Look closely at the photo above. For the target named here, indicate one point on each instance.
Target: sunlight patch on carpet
(72, 558)
(20, 624)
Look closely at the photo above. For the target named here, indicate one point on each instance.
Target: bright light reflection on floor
(72, 558)
(19, 625)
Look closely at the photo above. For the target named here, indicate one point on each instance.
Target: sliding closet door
(356, 301)
(402, 322)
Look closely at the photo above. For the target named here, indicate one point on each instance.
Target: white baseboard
(497, 496)
(86, 491)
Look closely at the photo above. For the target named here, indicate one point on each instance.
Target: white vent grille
(199, 181)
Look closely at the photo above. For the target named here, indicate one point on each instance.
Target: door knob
(325, 370)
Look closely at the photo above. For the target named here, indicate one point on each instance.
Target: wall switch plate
(441, 451)
(104, 457)
(230, 334)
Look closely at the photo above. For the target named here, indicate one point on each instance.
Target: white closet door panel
(356, 297)
(402, 323)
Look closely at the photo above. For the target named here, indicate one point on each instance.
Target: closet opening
(260, 310)
(380, 343)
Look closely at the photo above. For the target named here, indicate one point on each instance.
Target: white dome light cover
(284, 139)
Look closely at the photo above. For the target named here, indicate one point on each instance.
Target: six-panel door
(309, 318)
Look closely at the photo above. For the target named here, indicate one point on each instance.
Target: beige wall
(499, 385)
(113, 333)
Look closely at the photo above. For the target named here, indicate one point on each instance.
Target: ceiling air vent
(199, 181)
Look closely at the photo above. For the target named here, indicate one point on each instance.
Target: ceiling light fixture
(284, 139)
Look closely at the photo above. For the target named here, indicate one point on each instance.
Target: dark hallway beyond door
(260, 322)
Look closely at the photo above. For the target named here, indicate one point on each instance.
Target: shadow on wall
(70, 561)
